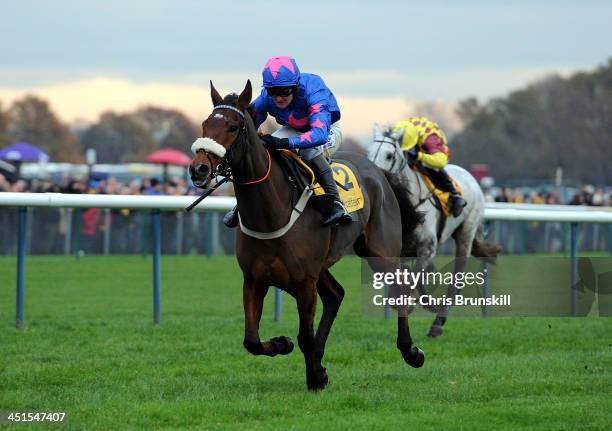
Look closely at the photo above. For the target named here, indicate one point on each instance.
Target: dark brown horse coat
(297, 262)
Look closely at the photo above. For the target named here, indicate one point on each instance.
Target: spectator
(502, 196)
(5, 186)
(598, 198)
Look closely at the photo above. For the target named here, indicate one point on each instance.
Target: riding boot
(231, 218)
(457, 203)
(336, 212)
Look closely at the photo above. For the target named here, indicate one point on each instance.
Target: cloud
(365, 97)
(449, 84)
(85, 100)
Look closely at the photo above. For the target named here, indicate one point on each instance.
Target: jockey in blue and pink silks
(309, 114)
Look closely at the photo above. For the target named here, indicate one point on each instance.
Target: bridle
(224, 167)
(398, 157)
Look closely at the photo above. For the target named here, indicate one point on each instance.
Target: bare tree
(167, 127)
(31, 119)
(118, 139)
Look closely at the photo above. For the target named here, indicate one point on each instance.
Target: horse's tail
(485, 250)
(411, 218)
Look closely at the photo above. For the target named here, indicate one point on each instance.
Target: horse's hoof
(283, 345)
(414, 357)
(318, 383)
(435, 331)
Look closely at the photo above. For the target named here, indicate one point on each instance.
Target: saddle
(441, 197)
(300, 176)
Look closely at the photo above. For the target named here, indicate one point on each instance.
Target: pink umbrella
(169, 156)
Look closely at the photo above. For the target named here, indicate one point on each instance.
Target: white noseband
(209, 145)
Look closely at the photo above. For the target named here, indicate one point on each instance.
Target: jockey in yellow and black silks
(424, 142)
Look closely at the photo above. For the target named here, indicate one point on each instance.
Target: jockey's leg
(336, 212)
(441, 178)
(457, 201)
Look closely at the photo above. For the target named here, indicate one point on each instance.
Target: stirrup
(231, 218)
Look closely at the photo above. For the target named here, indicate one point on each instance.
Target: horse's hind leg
(383, 244)
(253, 297)
(463, 237)
(316, 376)
(412, 355)
(331, 294)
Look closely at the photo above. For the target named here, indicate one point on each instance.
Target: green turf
(90, 349)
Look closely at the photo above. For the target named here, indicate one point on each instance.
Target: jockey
(308, 112)
(423, 141)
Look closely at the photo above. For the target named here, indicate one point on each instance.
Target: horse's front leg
(316, 376)
(463, 247)
(253, 297)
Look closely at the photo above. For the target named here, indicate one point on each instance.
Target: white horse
(467, 230)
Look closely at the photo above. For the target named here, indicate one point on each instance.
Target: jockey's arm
(433, 153)
(320, 123)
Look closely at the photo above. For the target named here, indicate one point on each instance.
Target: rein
(262, 179)
(430, 193)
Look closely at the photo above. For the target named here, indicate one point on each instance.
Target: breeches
(334, 140)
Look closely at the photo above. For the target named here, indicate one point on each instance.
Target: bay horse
(298, 261)
(467, 230)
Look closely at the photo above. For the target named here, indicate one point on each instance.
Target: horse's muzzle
(200, 175)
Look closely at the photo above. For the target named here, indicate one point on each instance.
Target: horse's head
(223, 128)
(385, 150)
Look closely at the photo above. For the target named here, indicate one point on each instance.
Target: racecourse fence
(83, 230)
(70, 223)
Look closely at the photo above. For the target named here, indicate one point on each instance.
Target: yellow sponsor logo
(348, 187)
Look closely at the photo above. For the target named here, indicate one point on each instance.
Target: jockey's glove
(274, 142)
(413, 155)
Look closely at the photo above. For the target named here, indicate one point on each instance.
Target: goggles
(279, 91)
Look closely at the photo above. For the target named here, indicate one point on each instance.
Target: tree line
(554, 123)
(117, 138)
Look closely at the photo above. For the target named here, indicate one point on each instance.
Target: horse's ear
(214, 94)
(377, 132)
(245, 97)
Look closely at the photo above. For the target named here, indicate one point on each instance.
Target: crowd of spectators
(110, 186)
(588, 195)
(50, 228)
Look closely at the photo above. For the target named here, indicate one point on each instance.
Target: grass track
(90, 349)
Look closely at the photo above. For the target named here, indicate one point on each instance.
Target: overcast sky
(90, 56)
